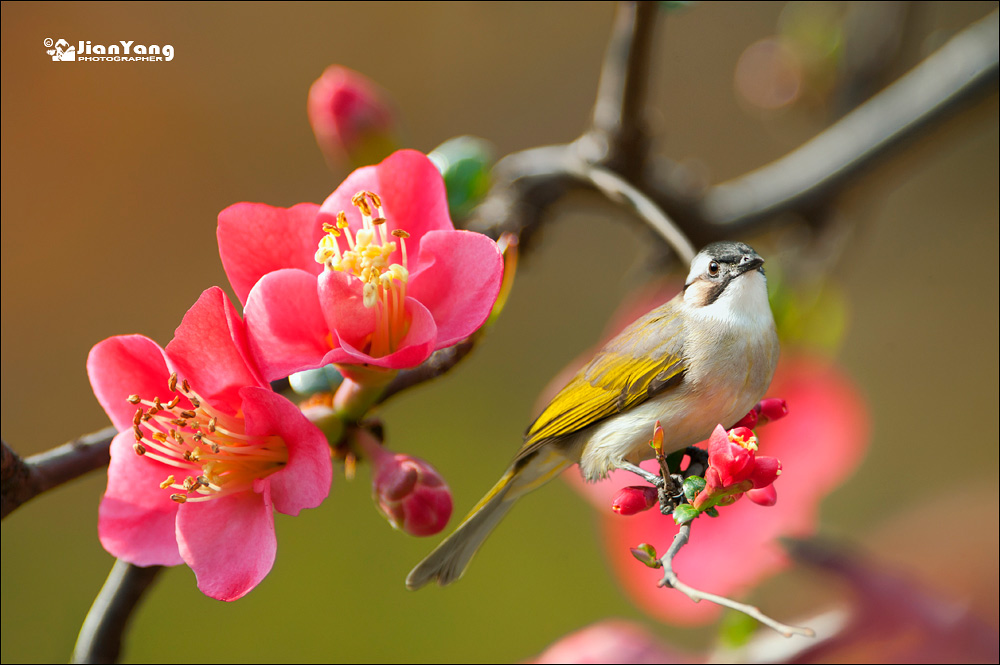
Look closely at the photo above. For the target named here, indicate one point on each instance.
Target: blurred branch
(671, 580)
(618, 134)
(620, 190)
(439, 363)
(100, 638)
(25, 479)
(963, 69)
(527, 183)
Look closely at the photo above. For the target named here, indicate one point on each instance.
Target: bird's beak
(747, 263)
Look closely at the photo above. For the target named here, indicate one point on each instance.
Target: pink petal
(457, 277)
(125, 365)
(228, 542)
(343, 308)
(765, 471)
(305, 480)
(255, 239)
(613, 641)
(414, 348)
(136, 518)
(209, 349)
(765, 496)
(285, 324)
(412, 193)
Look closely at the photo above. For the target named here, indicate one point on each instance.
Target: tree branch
(618, 189)
(100, 638)
(671, 580)
(965, 68)
(618, 133)
(25, 479)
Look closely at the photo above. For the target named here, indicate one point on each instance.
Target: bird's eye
(713, 268)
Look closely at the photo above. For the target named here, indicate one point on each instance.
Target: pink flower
(613, 641)
(407, 490)
(819, 445)
(375, 276)
(735, 469)
(352, 118)
(204, 454)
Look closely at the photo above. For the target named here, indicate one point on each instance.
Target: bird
(704, 358)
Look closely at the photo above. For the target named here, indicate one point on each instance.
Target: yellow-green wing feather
(643, 360)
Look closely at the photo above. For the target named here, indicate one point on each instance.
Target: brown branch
(439, 363)
(962, 70)
(25, 479)
(618, 134)
(100, 638)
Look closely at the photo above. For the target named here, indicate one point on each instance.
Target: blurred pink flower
(352, 118)
(408, 491)
(375, 276)
(196, 475)
(819, 445)
(612, 641)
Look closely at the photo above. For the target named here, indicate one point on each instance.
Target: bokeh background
(112, 177)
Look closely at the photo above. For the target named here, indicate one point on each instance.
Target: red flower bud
(411, 494)
(407, 490)
(770, 409)
(635, 499)
(352, 118)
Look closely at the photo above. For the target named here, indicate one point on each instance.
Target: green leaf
(465, 163)
(684, 513)
(712, 511)
(646, 554)
(693, 485)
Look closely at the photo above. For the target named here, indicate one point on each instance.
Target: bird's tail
(450, 559)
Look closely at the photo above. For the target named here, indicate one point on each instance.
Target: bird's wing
(643, 360)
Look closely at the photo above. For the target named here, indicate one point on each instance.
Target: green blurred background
(113, 174)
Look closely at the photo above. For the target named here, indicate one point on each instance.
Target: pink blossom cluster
(374, 280)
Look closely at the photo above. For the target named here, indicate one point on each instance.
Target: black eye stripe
(716, 290)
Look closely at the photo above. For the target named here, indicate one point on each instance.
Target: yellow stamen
(368, 258)
(210, 448)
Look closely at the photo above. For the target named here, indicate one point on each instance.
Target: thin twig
(671, 580)
(27, 478)
(100, 639)
(618, 189)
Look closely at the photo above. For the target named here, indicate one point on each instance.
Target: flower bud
(771, 409)
(411, 494)
(635, 499)
(353, 121)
